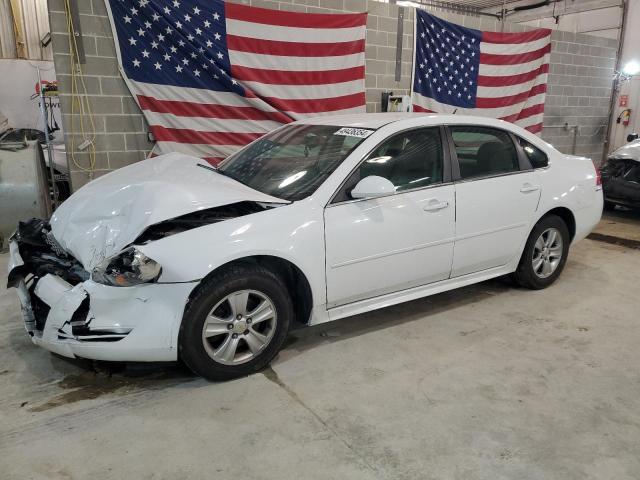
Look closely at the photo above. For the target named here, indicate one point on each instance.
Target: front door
(496, 199)
(382, 245)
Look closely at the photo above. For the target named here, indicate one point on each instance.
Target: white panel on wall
(605, 18)
(7, 41)
(604, 22)
(42, 19)
(35, 25)
(613, 33)
(600, 18)
(546, 22)
(19, 82)
(592, 22)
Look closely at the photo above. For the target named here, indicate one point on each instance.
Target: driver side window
(409, 160)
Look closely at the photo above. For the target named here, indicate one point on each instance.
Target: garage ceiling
(469, 4)
(480, 3)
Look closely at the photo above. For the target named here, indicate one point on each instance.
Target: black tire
(609, 206)
(525, 276)
(237, 277)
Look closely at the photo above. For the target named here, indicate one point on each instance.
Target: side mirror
(372, 187)
(631, 137)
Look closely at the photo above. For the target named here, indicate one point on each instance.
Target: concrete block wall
(579, 83)
(121, 130)
(579, 92)
(381, 40)
(580, 78)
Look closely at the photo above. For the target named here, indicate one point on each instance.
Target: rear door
(497, 194)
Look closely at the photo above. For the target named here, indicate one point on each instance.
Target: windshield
(291, 163)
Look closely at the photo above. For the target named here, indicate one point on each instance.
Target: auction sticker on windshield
(354, 132)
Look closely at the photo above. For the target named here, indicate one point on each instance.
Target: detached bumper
(100, 322)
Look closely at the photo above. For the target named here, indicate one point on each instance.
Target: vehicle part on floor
(24, 191)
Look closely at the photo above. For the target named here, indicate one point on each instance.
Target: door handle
(528, 187)
(434, 205)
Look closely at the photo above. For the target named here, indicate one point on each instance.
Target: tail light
(598, 176)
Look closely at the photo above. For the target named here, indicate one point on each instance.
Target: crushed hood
(630, 151)
(109, 213)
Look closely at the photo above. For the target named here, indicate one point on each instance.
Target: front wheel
(545, 254)
(236, 322)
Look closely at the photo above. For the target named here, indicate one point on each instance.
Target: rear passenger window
(484, 151)
(537, 157)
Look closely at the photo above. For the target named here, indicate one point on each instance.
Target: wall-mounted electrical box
(384, 101)
(399, 103)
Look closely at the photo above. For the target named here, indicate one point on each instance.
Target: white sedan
(321, 219)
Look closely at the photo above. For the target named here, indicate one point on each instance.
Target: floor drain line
(625, 242)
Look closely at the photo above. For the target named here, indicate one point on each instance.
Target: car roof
(377, 120)
(362, 120)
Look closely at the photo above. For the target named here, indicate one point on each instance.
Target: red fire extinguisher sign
(624, 100)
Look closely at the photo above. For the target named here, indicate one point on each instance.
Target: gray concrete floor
(620, 223)
(487, 382)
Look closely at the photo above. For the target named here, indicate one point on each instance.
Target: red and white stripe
(301, 64)
(292, 65)
(512, 79)
(199, 122)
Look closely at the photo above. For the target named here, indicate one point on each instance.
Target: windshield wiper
(217, 170)
(222, 172)
(208, 167)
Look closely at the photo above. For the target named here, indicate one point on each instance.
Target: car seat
(494, 157)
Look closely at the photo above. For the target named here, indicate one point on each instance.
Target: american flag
(211, 76)
(499, 75)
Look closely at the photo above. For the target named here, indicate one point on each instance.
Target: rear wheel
(545, 254)
(236, 323)
(609, 206)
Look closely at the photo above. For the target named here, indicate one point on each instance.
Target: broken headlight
(131, 267)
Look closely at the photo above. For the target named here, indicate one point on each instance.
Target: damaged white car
(321, 219)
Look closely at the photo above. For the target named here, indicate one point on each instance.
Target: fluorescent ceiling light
(631, 68)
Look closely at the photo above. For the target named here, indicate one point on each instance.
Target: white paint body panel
(394, 235)
(108, 213)
(151, 314)
(493, 217)
(356, 256)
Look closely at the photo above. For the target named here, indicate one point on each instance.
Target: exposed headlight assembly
(131, 267)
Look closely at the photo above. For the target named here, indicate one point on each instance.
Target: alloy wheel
(547, 253)
(239, 327)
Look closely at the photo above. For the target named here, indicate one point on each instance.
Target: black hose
(530, 7)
